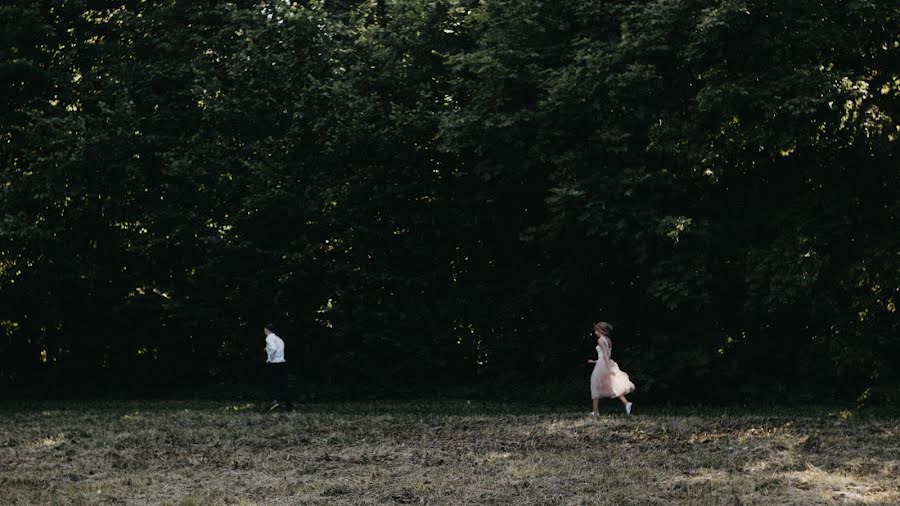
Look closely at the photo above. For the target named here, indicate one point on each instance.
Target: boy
(277, 369)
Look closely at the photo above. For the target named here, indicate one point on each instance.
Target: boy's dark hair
(270, 327)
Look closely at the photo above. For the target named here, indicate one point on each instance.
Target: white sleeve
(270, 351)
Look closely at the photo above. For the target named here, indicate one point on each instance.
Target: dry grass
(440, 453)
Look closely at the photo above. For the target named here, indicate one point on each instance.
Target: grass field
(441, 453)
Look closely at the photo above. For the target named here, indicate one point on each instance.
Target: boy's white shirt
(274, 349)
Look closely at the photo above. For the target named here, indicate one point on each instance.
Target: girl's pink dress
(608, 380)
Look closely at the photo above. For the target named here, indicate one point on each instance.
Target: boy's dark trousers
(278, 387)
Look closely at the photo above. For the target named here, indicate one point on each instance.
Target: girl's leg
(596, 403)
(627, 404)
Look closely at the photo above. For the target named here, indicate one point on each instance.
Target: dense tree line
(450, 192)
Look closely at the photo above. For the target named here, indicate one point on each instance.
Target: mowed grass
(441, 453)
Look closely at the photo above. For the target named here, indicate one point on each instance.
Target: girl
(608, 380)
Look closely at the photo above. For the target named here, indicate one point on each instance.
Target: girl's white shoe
(628, 409)
(594, 414)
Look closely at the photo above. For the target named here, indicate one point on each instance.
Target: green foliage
(452, 191)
